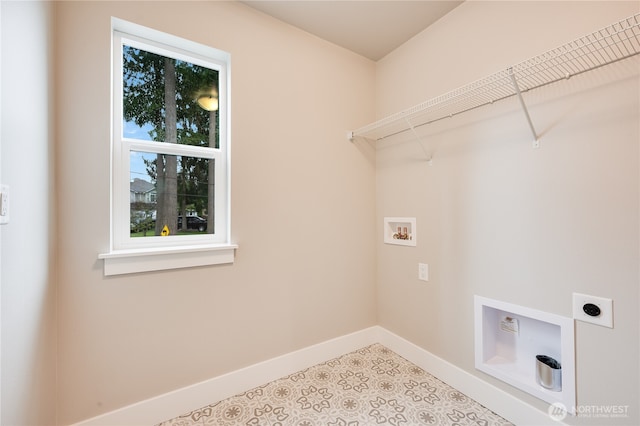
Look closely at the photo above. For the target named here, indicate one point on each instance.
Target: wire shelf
(613, 43)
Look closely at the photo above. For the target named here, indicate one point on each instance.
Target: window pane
(165, 189)
(168, 100)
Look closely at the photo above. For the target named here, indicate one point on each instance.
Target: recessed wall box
(400, 231)
(510, 341)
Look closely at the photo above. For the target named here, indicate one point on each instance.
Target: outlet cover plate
(605, 318)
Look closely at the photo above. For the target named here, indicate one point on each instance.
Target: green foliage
(144, 104)
(144, 101)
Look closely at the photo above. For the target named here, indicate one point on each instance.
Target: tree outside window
(164, 101)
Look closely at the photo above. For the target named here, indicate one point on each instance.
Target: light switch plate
(423, 272)
(605, 305)
(4, 204)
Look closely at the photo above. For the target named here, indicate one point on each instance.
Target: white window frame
(127, 254)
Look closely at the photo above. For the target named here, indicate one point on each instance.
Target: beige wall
(302, 203)
(495, 217)
(502, 220)
(28, 319)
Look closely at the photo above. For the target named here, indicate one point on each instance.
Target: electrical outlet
(423, 272)
(593, 309)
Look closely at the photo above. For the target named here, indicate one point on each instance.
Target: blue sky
(138, 168)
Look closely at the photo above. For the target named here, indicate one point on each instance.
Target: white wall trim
(497, 400)
(182, 401)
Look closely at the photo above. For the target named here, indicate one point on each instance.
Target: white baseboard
(506, 405)
(182, 401)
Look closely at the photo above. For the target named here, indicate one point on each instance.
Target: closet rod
(610, 44)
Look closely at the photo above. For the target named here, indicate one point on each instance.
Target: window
(170, 153)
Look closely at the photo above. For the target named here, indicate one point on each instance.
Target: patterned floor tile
(370, 386)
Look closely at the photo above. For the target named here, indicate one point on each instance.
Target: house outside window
(170, 147)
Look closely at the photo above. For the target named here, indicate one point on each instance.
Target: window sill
(118, 262)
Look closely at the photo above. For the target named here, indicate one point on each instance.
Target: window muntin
(159, 118)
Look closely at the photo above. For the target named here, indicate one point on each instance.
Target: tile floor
(370, 386)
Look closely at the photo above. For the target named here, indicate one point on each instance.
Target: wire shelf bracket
(536, 142)
(428, 155)
(610, 44)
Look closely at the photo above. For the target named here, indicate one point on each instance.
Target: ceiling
(371, 28)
